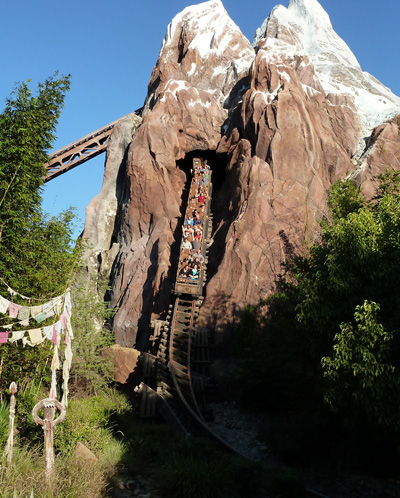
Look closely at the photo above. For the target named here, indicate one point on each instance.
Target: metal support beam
(80, 151)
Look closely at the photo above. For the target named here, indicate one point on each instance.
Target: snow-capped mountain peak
(312, 30)
(208, 22)
(305, 29)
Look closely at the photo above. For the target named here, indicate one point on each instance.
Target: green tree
(46, 258)
(358, 259)
(35, 251)
(360, 373)
(91, 370)
(38, 255)
(27, 132)
(344, 198)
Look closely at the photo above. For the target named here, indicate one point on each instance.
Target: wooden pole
(48, 417)
(10, 441)
(49, 405)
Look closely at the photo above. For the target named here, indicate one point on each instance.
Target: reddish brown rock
(275, 138)
(296, 145)
(125, 361)
(102, 211)
(184, 112)
(383, 152)
(84, 456)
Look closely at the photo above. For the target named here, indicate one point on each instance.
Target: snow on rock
(304, 29)
(204, 47)
(210, 26)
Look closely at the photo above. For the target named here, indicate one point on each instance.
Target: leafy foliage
(90, 368)
(359, 259)
(344, 198)
(360, 370)
(319, 342)
(4, 423)
(88, 422)
(46, 258)
(38, 255)
(24, 365)
(40, 258)
(27, 127)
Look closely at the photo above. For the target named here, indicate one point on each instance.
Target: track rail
(181, 390)
(180, 350)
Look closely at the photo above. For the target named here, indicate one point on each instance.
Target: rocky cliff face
(278, 123)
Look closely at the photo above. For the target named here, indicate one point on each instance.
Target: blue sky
(110, 49)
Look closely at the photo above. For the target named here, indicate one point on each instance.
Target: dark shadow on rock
(147, 300)
(234, 105)
(288, 247)
(222, 322)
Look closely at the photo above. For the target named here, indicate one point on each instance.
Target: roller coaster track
(180, 350)
(80, 151)
(180, 395)
(178, 372)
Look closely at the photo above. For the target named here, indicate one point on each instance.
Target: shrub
(88, 421)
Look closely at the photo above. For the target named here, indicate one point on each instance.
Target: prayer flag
(68, 304)
(36, 336)
(4, 304)
(40, 317)
(57, 305)
(55, 362)
(4, 337)
(16, 336)
(54, 339)
(48, 332)
(64, 319)
(24, 312)
(13, 310)
(48, 309)
(36, 310)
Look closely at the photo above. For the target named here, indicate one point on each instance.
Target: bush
(90, 372)
(88, 422)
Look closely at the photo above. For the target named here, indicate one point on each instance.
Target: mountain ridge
(276, 139)
(304, 29)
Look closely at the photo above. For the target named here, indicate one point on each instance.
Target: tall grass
(88, 421)
(4, 423)
(26, 476)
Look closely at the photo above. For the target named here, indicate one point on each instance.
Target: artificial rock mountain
(278, 121)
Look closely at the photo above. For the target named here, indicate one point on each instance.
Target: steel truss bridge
(80, 151)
